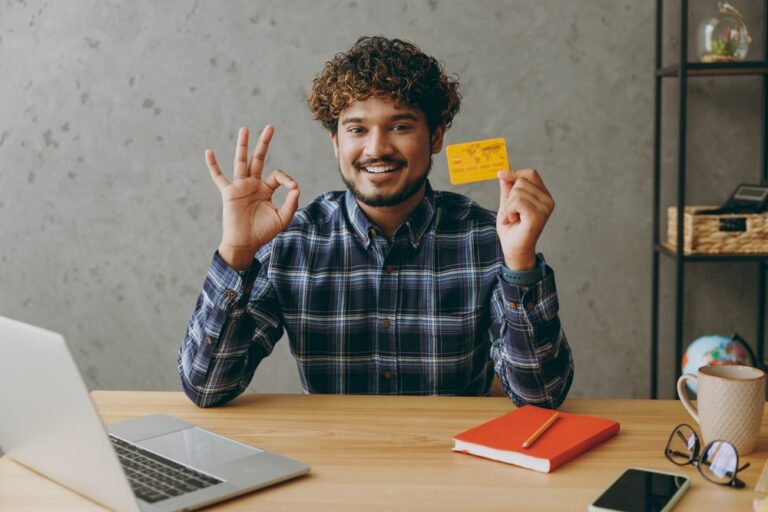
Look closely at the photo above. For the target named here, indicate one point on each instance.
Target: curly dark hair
(375, 66)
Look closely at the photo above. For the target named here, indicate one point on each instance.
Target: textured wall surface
(108, 219)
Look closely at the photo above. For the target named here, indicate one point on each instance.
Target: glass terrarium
(723, 36)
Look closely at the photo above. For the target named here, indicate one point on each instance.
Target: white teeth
(379, 170)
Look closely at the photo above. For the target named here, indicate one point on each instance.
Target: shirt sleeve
(529, 349)
(235, 324)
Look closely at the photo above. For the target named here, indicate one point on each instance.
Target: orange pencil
(528, 442)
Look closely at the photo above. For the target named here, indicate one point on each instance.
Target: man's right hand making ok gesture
(250, 219)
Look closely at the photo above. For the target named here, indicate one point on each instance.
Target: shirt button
(385, 323)
(529, 306)
(512, 306)
(209, 340)
(390, 269)
(388, 374)
(247, 290)
(231, 294)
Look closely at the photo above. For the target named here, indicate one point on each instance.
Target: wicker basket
(717, 234)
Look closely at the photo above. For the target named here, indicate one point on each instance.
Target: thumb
(506, 182)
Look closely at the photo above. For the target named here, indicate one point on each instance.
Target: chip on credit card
(476, 161)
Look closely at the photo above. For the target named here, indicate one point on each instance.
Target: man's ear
(335, 143)
(437, 139)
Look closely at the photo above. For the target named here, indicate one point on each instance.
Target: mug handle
(682, 392)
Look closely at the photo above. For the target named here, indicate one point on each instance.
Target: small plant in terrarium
(724, 37)
(724, 49)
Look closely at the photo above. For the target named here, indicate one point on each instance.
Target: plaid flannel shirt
(426, 313)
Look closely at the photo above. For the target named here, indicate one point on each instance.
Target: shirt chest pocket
(455, 332)
(446, 334)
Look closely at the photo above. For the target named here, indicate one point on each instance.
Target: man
(389, 287)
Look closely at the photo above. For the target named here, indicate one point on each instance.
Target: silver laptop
(155, 463)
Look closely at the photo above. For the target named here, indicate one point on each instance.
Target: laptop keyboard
(154, 478)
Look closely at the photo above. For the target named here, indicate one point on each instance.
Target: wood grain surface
(394, 453)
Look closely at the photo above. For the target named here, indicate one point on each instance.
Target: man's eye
(401, 127)
(355, 129)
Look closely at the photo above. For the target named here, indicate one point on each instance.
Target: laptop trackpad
(198, 448)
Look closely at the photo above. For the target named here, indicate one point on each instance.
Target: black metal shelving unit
(682, 72)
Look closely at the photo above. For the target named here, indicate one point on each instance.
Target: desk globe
(715, 349)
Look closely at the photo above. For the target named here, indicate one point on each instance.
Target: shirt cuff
(225, 286)
(535, 304)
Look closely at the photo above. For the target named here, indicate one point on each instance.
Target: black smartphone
(642, 490)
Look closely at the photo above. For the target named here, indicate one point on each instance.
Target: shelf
(683, 70)
(671, 252)
(753, 67)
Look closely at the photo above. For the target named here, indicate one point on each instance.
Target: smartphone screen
(641, 491)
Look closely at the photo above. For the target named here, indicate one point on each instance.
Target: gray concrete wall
(108, 218)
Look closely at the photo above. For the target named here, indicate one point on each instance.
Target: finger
(260, 152)
(519, 207)
(511, 211)
(530, 180)
(241, 154)
(278, 178)
(507, 216)
(217, 176)
(528, 208)
(520, 193)
(533, 176)
(541, 195)
(289, 206)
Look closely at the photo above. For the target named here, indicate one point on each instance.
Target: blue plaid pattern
(426, 313)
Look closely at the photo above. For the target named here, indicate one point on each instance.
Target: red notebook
(502, 438)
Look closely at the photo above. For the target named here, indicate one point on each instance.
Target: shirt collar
(417, 225)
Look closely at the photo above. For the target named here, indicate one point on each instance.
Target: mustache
(400, 162)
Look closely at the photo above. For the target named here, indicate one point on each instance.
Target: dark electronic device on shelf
(745, 199)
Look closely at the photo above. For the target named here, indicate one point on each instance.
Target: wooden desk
(394, 454)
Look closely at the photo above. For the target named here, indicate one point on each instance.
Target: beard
(409, 189)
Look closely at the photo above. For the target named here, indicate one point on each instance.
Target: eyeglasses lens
(719, 462)
(682, 445)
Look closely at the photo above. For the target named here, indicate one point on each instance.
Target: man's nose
(378, 144)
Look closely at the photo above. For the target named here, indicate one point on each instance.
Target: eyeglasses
(718, 463)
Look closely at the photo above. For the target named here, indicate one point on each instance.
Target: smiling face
(384, 150)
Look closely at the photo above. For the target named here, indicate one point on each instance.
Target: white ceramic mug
(731, 400)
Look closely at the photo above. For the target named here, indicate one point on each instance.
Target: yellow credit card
(476, 161)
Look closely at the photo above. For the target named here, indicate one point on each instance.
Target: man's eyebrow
(350, 120)
(397, 117)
